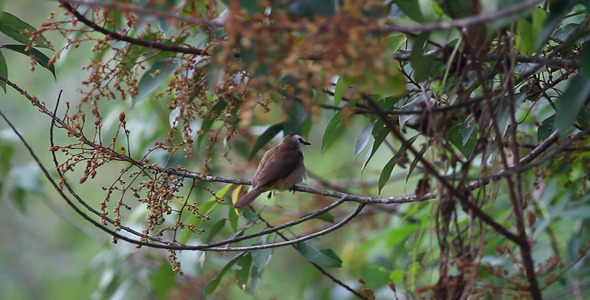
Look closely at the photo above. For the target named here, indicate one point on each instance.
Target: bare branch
(115, 35)
(460, 23)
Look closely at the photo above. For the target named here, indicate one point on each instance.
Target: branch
(319, 268)
(562, 63)
(115, 35)
(432, 170)
(460, 23)
(185, 173)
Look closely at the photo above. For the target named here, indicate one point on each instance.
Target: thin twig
(320, 268)
(135, 41)
(459, 23)
(460, 194)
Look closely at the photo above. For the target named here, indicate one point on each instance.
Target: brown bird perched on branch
(281, 168)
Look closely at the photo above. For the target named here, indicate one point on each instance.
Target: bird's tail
(248, 198)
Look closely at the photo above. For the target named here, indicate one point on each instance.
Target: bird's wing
(276, 164)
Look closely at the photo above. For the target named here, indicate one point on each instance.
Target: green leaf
(309, 8)
(564, 32)
(214, 230)
(252, 6)
(133, 52)
(154, 77)
(395, 41)
(363, 139)
(14, 27)
(117, 18)
(466, 129)
(409, 7)
(342, 86)
(415, 162)
(334, 128)
(504, 117)
(38, 56)
(327, 216)
(585, 63)
(458, 8)
(379, 134)
(422, 63)
(206, 207)
(463, 136)
(330, 132)
(163, 280)
(324, 257)
(3, 72)
(375, 276)
(252, 217)
(571, 102)
(186, 234)
(232, 216)
(397, 275)
(243, 272)
(584, 117)
(297, 114)
(216, 109)
(412, 105)
(264, 138)
(386, 172)
(212, 285)
(221, 193)
(557, 11)
(528, 31)
(545, 129)
(260, 259)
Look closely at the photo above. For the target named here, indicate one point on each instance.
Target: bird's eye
(301, 140)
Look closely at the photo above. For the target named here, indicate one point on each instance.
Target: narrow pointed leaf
(3, 71)
(342, 86)
(415, 162)
(324, 257)
(545, 129)
(163, 280)
(13, 27)
(363, 139)
(386, 172)
(215, 229)
(265, 137)
(331, 130)
(260, 259)
(242, 274)
(38, 56)
(212, 285)
(570, 103)
(379, 137)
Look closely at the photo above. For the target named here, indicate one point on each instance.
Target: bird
(281, 168)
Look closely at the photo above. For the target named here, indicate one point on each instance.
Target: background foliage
(449, 153)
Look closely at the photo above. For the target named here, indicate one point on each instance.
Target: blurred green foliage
(49, 252)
